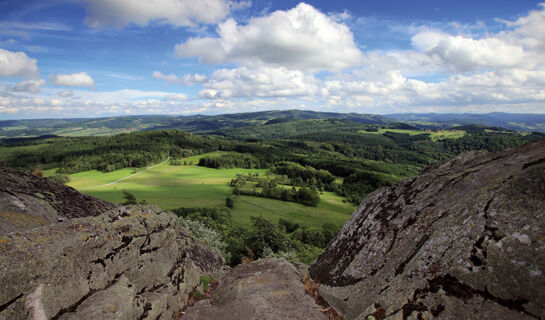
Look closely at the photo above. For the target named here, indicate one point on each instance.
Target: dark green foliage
(270, 189)
(305, 176)
(484, 141)
(230, 202)
(129, 198)
(137, 149)
(230, 160)
(361, 183)
(265, 234)
(289, 226)
(60, 178)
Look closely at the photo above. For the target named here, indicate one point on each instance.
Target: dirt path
(132, 175)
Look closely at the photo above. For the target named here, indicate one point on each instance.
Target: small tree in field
(129, 198)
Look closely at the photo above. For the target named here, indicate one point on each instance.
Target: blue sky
(91, 58)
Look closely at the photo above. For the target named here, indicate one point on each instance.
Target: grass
(172, 187)
(330, 209)
(440, 135)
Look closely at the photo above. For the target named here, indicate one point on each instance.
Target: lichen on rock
(463, 240)
(124, 264)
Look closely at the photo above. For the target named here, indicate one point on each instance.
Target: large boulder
(264, 289)
(28, 201)
(463, 240)
(128, 263)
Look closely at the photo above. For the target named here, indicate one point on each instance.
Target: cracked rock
(463, 240)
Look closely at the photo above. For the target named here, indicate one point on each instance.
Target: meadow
(434, 136)
(189, 185)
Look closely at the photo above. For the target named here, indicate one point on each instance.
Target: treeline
(137, 149)
(270, 189)
(489, 141)
(305, 176)
(231, 160)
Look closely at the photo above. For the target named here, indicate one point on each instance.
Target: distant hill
(200, 124)
(227, 124)
(513, 121)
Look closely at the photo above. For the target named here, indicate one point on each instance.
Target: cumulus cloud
(258, 82)
(81, 79)
(467, 54)
(17, 64)
(120, 13)
(187, 79)
(191, 79)
(301, 38)
(170, 78)
(30, 86)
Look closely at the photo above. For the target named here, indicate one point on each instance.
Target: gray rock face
(28, 201)
(128, 263)
(264, 289)
(463, 240)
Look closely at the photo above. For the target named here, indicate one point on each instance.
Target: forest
(301, 159)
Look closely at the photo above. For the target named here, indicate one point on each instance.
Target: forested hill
(364, 159)
(195, 124)
(512, 121)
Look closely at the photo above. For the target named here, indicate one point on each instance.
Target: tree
(230, 202)
(129, 198)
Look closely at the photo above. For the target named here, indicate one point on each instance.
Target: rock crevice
(464, 239)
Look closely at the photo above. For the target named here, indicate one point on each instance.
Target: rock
(463, 240)
(28, 201)
(127, 263)
(264, 289)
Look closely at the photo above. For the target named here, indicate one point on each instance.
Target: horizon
(93, 59)
(272, 110)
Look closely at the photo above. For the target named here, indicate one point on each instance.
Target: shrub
(200, 231)
(60, 178)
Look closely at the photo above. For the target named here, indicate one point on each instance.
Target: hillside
(512, 121)
(461, 240)
(195, 124)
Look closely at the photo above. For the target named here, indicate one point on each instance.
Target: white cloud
(81, 79)
(170, 78)
(30, 86)
(258, 82)
(300, 38)
(66, 93)
(17, 64)
(467, 54)
(176, 97)
(191, 79)
(120, 13)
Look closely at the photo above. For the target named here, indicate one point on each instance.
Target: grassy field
(172, 187)
(330, 209)
(440, 135)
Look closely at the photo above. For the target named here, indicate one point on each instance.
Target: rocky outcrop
(463, 240)
(127, 263)
(28, 201)
(264, 289)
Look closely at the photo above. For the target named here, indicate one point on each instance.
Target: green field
(439, 135)
(172, 187)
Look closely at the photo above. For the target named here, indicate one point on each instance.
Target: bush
(60, 178)
(200, 231)
(230, 201)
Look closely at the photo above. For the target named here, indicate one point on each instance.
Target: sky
(96, 58)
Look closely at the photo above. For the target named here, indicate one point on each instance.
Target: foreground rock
(464, 240)
(28, 201)
(128, 263)
(264, 289)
